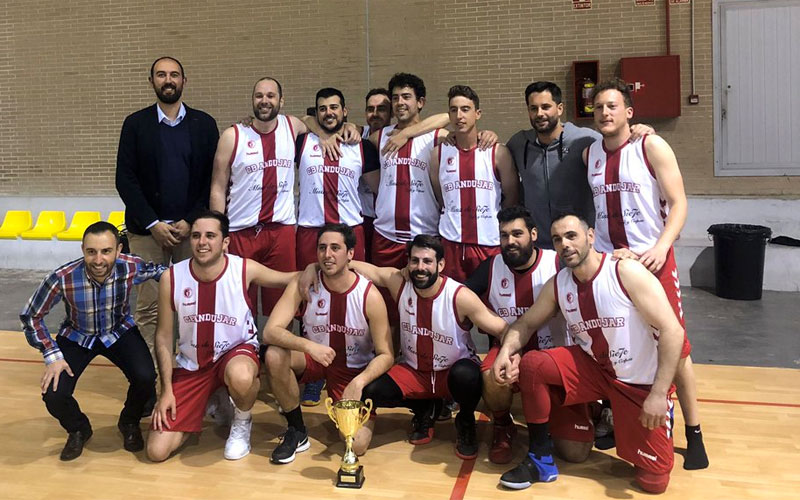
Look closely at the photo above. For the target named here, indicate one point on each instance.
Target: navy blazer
(139, 160)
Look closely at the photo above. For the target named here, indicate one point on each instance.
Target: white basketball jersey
(213, 316)
(471, 195)
(261, 187)
(510, 294)
(329, 188)
(602, 320)
(627, 198)
(431, 337)
(406, 205)
(364, 192)
(339, 320)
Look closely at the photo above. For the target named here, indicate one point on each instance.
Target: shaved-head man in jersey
(217, 344)
(641, 208)
(253, 182)
(627, 343)
(346, 339)
(436, 314)
(510, 283)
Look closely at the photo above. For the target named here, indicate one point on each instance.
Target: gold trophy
(349, 415)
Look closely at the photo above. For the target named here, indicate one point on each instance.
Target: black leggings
(464, 383)
(129, 353)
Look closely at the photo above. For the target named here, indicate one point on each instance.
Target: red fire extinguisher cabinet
(655, 84)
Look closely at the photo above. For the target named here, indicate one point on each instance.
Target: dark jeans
(129, 353)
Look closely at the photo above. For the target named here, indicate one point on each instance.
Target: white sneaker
(238, 444)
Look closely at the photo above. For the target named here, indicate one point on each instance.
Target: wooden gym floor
(750, 416)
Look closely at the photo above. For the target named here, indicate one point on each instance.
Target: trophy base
(350, 479)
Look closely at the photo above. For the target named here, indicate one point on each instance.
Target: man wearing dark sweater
(164, 161)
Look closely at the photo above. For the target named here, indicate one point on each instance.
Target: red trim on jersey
(338, 316)
(355, 282)
(466, 324)
(469, 215)
(616, 223)
(244, 284)
(494, 165)
(303, 146)
(330, 192)
(558, 263)
(361, 150)
(172, 287)
(588, 310)
(269, 176)
(224, 268)
(235, 145)
(291, 130)
(599, 268)
(364, 304)
(646, 160)
(425, 342)
(206, 300)
(555, 289)
(619, 280)
(488, 291)
(402, 191)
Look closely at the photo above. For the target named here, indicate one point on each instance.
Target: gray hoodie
(554, 176)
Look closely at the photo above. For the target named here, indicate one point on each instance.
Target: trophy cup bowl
(349, 415)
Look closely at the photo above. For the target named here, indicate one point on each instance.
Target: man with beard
(164, 162)
(217, 343)
(95, 290)
(641, 208)
(510, 284)
(329, 188)
(436, 315)
(346, 339)
(548, 159)
(470, 185)
(627, 346)
(253, 183)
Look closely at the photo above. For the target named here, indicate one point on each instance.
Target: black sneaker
(533, 469)
(292, 442)
(448, 409)
(132, 439)
(466, 439)
(74, 446)
(422, 426)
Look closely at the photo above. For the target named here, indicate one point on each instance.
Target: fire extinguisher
(587, 86)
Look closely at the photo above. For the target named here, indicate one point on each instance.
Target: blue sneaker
(533, 469)
(311, 393)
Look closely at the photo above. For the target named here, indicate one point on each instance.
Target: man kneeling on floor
(217, 342)
(346, 339)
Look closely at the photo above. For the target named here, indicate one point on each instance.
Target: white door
(756, 87)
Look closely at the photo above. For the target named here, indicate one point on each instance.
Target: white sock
(240, 414)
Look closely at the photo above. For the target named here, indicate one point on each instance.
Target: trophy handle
(366, 409)
(329, 407)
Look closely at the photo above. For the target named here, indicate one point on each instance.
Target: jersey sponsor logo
(648, 456)
(570, 297)
(330, 169)
(572, 310)
(581, 427)
(468, 184)
(251, 144)
(411, 162)
(334, 328)
(187, 292)
(504, 283)
(597, 164)
(426, 332)
(590, 324)
(210, 318)
(619, 356)
(627, 187)
(274, 163)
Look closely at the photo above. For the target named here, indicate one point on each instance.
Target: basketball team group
(388, 243)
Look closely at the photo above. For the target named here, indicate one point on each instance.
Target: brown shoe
(74, 446)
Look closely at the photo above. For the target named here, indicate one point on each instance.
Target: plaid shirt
(94, 310)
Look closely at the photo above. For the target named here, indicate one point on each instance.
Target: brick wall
(71, 71)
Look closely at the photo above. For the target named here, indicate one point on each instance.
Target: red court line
(460, 488)
(749, 403)
(39, 361)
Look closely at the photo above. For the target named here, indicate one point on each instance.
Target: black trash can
(739, 259)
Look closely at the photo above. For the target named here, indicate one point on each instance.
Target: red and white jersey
(213, 316)
(510, 294)
(364, 192)
(431, 337)
(471, 195)
(406, 205)
(329, 188)
(627, 198)
(261, 187)
(602, 319)
(339, 320)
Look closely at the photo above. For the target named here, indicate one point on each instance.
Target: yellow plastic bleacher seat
(80, 221)
(117, 218)
(14, 223)
(47, 225)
